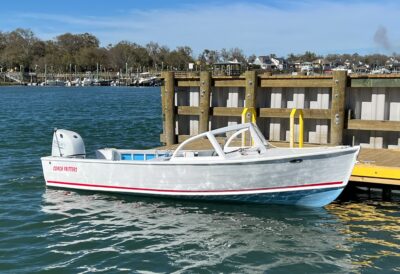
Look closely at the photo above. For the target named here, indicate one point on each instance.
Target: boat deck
(375, 166)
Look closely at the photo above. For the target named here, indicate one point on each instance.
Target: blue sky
(259, 27)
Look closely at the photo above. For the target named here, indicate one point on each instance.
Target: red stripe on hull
(192, 191)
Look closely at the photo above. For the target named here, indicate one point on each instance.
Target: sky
(258, 27)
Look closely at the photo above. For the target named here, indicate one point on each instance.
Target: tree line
(82, 52)
(21, 49)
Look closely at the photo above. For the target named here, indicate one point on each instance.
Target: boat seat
(189, 154)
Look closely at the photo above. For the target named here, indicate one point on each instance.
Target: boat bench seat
(140, 156)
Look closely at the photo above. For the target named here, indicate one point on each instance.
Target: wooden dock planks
(378, 166)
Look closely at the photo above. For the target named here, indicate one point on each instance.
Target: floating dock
(337, 109)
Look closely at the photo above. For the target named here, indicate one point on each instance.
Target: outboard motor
(67, 143)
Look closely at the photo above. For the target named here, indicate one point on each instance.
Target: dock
(338, 109)
(378, 166)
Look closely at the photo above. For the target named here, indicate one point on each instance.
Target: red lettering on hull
(65, 168)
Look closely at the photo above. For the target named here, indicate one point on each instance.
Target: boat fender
(67, 143)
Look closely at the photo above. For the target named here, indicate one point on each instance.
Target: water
(58, 231)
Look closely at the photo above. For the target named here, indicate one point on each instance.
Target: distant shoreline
(9, 84)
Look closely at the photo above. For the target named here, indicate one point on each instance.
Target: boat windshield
(226, 140)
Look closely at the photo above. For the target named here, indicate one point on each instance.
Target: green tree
(309, 56)
(232, 54)
(179, 58)
(291, 57)
(127, 53)
(209, 57)
(18, 48)
(225, 56)
(154, 52)
(237, 53)
(52, 58)
(89, 58)
(3, 41)
(78, 49)
(72, 43)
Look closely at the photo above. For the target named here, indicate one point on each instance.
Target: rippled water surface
(58, 231)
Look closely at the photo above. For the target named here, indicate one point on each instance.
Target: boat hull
(308, 197)
(309, 180)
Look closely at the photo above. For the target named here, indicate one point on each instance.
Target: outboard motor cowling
(67, 143)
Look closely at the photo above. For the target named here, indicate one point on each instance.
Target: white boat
(55, 83)
(146, 79)
(256, 173)
(381, 71)
(87, 82)
(76, 82)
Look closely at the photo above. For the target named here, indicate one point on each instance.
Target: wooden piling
(205, 92)
(163, 107)
(250, 99)
(251, 88)
(386, 194)
(338, 106)
(169, 107)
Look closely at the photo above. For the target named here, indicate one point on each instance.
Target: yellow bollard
(301, 127)
(253, 113)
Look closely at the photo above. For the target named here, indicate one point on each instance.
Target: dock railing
(292, 128)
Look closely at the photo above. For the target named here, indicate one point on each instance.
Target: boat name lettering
(65, 168)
